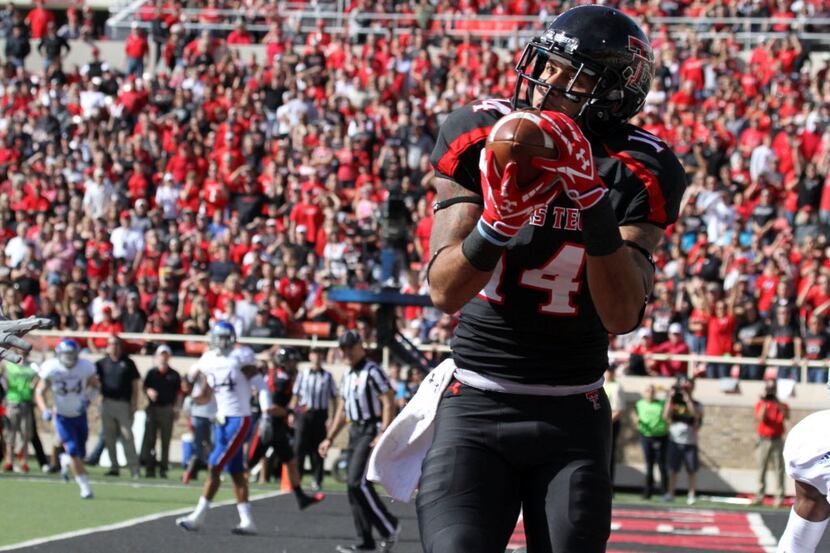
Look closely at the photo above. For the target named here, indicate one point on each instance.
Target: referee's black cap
(349, 339)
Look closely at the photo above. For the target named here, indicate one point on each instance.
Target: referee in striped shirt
(368, 405)
(314, 389)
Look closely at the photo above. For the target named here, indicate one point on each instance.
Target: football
(518, 137)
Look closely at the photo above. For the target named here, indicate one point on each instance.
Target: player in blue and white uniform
(807, 462)
(229, 378)
(73, 384)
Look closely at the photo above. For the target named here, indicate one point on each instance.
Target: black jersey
(281, 385)
(534, 321)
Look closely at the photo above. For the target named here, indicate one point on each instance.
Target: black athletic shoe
(388, 543)
(305, 501)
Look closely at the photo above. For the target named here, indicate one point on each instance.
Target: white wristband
(801, 536)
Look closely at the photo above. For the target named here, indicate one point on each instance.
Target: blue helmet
(223, 337)
(68, 351)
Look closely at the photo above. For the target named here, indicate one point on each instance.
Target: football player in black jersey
(542, 275)
(273, 429)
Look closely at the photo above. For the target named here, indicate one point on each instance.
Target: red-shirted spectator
(38, 20)
(770, 412)
(720, 339)
(240, 35)
(307, 214)
(294, 291)
(674, 345)
(136, 48)
(107, 324)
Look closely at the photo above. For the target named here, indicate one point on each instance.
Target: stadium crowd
(217, 188)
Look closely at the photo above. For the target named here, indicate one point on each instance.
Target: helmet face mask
(536, 58)
(602, 43)
(68, 352)
(223, 337)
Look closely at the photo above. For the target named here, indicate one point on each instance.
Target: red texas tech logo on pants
(593, 397)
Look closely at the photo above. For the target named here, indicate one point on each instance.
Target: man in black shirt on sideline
(120, 383)
(162, 385)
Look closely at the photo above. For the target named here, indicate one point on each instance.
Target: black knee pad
(589, 510)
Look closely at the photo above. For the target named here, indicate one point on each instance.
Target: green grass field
(46, 505)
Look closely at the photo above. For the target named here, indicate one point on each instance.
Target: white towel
(396, 459)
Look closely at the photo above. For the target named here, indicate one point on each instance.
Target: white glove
(11, 332)
(193, 373)
(266, 429)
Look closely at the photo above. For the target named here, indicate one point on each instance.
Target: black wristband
(600, 230)
(480, 252)
(438, 206)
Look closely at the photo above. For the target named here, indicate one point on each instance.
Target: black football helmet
(287, 354)
(598, 41)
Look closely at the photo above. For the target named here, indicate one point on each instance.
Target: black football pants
(367, 509)
(309, 431)
(494, 454)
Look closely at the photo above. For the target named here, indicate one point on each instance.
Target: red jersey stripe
(656, 200)
(449, 161)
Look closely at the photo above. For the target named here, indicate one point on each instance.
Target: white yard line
(124, 483)
(765, 537)
(125, 523)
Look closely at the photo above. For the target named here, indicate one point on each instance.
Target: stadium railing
(195, 344)
(747, 30)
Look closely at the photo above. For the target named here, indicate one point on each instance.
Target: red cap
(106, 309)
(125, 214)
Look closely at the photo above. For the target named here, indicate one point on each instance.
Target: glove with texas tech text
(575, 162)
(507, 206)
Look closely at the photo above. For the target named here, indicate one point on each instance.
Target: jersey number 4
(227, 383)
(560, 277)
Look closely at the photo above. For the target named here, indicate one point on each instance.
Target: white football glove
(266, 429)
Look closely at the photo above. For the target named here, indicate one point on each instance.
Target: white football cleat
(188, 523)
(245, 529)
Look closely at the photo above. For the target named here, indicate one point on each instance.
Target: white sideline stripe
(127, 523)
(766, 539)
(123, 484)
